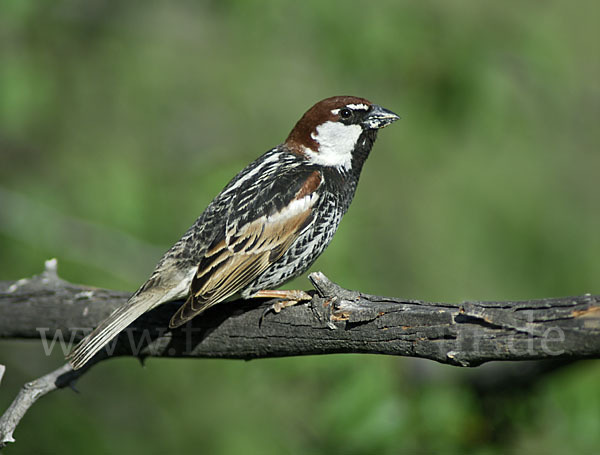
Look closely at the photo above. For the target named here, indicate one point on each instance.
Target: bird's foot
(288, 298)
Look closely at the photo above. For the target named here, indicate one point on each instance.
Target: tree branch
(336, 321)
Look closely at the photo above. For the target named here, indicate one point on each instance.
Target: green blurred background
(120, 121)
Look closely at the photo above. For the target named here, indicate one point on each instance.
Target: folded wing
(244, 251)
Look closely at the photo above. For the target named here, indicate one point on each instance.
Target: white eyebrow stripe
(359, 106)
(354, 107)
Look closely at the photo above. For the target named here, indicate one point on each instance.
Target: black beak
(378, 117)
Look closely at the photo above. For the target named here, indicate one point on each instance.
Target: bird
(267, 226)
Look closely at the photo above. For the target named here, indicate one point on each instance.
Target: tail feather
(111, 327)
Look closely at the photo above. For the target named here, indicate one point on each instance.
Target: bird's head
(338, 131)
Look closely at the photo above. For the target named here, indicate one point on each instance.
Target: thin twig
(31, 392)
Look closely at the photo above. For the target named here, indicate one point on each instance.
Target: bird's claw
(281, 304)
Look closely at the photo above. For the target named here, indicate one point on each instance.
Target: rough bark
(336, 321)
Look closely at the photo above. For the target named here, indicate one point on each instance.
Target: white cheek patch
(336, 143)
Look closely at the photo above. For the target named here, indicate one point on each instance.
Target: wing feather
(244, 254)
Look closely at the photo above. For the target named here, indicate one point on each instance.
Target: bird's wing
(259, 231)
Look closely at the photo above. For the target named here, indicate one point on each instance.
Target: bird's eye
(345, 113)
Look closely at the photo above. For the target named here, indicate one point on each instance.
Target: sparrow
(267, 226)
